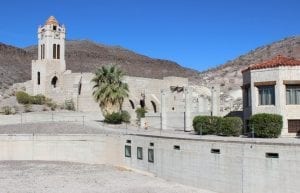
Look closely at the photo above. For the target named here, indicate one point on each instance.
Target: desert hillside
(87, 56)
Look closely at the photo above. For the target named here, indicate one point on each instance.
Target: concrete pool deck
(65, 177)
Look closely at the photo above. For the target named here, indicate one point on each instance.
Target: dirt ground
(68, 177)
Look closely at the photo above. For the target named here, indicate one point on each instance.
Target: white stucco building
(171, 102)
(273, 86)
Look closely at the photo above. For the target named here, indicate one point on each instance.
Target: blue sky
(196, 34)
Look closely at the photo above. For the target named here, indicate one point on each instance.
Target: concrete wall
(100, 149)
(238, 168)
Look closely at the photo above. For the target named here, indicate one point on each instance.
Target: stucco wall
(279, 75)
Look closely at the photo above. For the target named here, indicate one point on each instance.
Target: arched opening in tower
(54, 81)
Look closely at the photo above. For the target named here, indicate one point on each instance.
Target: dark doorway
(142, 103)
(54, 81)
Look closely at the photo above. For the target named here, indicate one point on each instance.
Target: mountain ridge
(87, 56)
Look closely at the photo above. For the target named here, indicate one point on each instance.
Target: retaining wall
(225, 167)
(220, 166)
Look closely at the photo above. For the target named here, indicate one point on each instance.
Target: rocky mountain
(14, 65)
(87, 56)
(229, 75)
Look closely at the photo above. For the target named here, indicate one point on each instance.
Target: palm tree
(109, 90)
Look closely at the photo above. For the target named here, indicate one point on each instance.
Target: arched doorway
(54, 81)
(154, 106)
(142, 103)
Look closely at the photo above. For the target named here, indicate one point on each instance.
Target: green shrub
(52, 105)
(125, 117)
(7, 110)
(230, 126)
(140, 113)
(28, 108)
(69, 105)
(206, 125)
(38, 99)
(23, 97)
(113, 118)
(266, 125)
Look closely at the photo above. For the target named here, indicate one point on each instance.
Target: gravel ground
(68, 177)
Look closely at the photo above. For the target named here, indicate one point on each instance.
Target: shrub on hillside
(50, 104)
(113, 118)
(230, 126)
(69, 105)
(206, 125)
(27, 108)
(23, 97)
(266, 125)
(38, 99)
(7, 110)
(125, 117)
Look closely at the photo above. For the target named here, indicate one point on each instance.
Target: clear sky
(197, 34)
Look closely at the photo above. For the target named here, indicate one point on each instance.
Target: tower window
(54, 81)
(41, 51)
(58, 51)
(44, 51)
(54, 51)
(38, 78)
(54, 27)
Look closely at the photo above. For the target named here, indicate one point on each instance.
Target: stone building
(273, 86)
(172, 101)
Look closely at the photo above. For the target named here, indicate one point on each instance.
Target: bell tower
(48, 69)
(51, 41)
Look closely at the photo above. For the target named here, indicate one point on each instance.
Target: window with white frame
(266, 95)
(292, 94)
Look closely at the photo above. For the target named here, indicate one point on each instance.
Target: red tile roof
(277, 61)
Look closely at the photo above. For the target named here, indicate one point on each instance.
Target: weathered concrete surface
(241, 166)
(65, 177)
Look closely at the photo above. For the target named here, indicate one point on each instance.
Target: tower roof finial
(51, 21)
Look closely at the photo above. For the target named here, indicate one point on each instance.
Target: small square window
(127, 151)
(151, 155)
(139, 153)
(272, 155)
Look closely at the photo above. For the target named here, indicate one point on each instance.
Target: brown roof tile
(277, 61)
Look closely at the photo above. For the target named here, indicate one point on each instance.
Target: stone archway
(154, 106)
(132, 104)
